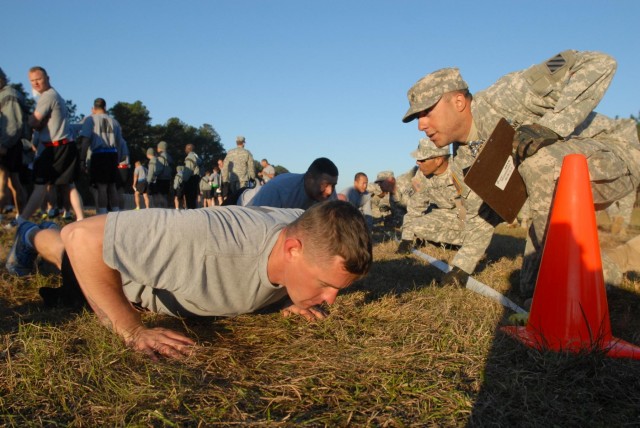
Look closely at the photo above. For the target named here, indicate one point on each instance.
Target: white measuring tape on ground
(473, 284)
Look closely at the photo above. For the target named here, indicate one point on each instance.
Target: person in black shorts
(56, 161)
(12, 127)
(140, 185)
(103, 135)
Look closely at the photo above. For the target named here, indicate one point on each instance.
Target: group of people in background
(100, 150)
(193, 185)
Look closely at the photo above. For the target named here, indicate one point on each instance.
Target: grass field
(397, 351)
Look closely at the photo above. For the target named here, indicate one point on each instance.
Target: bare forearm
(101, 285)
(36, 122)
(111, 306)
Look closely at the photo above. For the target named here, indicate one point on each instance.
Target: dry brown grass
(397, 350)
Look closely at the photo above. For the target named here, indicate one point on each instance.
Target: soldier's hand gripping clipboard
(494, 176)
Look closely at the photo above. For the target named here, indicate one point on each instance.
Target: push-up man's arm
(102, 287)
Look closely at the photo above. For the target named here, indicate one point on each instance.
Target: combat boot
(405, 247)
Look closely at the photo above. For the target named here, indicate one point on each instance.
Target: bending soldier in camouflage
(557, 96)
(442, 209)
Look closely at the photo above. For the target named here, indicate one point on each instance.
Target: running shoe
(53, 213)
(22, 255)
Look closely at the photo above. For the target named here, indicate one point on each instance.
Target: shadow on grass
(504, 246)
(394, 277)
(523, 386)
(11, 315)
(404, 274)
(526, 387)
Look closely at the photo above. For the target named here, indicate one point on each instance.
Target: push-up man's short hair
(335, 228)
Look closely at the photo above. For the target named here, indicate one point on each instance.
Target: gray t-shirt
(53, 109)
(362, 201)
(142, 173)
(11, 116)
(104, 132)
(267, 171)
(203, 262)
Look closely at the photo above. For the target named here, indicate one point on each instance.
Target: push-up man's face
(309, 284)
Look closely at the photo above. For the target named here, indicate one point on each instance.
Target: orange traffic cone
(569, 309)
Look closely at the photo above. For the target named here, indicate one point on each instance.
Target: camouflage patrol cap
(383, 175)
(240, 139)
(428, 90)
(427, 150)
(162, 145)
(151, 152)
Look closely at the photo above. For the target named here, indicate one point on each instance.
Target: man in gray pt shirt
(56, 161)
(251, 257)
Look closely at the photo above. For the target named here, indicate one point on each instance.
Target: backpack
(204, 183)
(195, 169)
(159, 169)
(164, 171)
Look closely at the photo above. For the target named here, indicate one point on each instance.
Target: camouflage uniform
(238, 168)
(380, 205)
(625, 131)
(620, 213)
(437, 211)
(401, 198)
(404, 188)
(559, 94)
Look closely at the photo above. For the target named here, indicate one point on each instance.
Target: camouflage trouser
(610, 181)
(380, 212)
(444, 226)
(234, 186)
(627, 255)
(620, 213)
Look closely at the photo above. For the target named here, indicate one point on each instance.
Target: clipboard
(494, 176)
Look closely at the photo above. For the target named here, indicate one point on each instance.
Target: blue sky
(303, 79)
